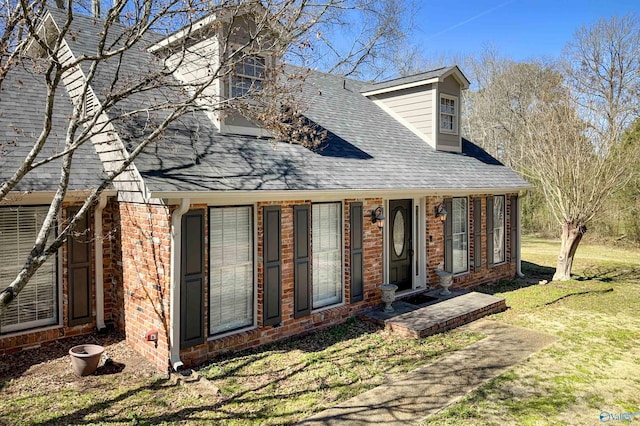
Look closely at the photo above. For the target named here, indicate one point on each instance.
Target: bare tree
(562, 127)
(106, 93)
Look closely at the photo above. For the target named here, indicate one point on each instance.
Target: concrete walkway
(428, 389)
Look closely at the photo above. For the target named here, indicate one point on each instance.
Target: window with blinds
(37, 304)
(498, 229)
(460, 235)
(231, 283)
(327, 254)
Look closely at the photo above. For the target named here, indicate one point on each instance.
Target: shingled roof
(22, 113)
(366, 149)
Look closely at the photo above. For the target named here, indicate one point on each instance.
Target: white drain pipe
(176, 254)
(99, 273)
(519, 248)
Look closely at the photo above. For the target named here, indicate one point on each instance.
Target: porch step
(445, 315)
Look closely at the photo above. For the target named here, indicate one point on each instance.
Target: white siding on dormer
(413, 105)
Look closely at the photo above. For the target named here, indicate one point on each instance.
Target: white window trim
(342, 261)
(254, 230)
(234, 74)
(455, 115)
(457, 274)
(504, 229)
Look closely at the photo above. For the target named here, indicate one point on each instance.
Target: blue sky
(520, 29)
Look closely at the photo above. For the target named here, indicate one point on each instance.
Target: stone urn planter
(388, 295)
(85, 358)
(446, 279)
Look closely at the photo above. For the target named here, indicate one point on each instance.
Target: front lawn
(593, 368)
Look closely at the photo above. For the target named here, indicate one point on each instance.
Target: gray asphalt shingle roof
(428, 75)
(22, 112)
(366, 148)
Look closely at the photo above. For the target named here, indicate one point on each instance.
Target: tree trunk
(571, 237)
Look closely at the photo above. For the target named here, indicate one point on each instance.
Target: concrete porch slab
(416, 322)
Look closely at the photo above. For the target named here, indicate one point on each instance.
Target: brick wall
(291, 326)
(146, 259)
(476, 276)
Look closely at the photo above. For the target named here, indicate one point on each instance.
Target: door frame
(419, 230)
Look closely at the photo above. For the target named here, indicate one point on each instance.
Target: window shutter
(192, 280)
(356, 241)
(477, 233)
(302, 248)
(489, 231)
(448, 236)
(272, 266)
(513, 223)
(79, 266)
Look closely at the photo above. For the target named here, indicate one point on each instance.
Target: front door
(400, 244)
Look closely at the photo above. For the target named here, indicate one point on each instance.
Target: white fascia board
(400, 87)
(181, 34)
(236, 197)
(46, 197)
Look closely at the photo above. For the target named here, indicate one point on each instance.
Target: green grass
(593, 365)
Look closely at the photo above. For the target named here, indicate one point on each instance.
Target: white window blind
(448, 114)
(231, 287)
(460, 226)
(498, 229)
(36, 304)
(327, 254)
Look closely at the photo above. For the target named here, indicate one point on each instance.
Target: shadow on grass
(533, 274)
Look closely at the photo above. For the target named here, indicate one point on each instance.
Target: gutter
(174, 295)
(99, 272)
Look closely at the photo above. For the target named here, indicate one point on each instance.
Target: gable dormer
(428, 104)
(197, 52)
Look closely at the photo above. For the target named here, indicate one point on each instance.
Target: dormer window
(448, 114)
(248, 76)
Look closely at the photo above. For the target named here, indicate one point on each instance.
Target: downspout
(176, 254)
(518, 249)
(99, 272)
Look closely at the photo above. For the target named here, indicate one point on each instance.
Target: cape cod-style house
(215, 240)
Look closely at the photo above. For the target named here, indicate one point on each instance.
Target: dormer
(428, 104)
(245, 52)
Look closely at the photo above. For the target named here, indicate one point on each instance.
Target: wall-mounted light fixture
(377, 217)
(440, 212)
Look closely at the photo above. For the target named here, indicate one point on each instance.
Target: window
(448, 114)
(327, 254)
(498, 229)
(37, 303)
(248, 75)
(459, 235)
(231, 283)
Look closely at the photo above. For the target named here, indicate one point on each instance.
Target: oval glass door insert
(398, 232)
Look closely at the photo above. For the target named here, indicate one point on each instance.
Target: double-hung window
(498, 229)
(36, 304)
(448, 114)
(460, 234)
(249, 73)
(326, 235)
(231, 283)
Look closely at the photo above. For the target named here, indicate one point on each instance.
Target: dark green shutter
(489, 231)
(357, 252)
(192, 280)
(79, 267)
(301, 260)
(477, 233)
(272, 294)
(448, 236)
(514, 225)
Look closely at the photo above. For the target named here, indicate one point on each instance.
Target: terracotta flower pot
(85, 358)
